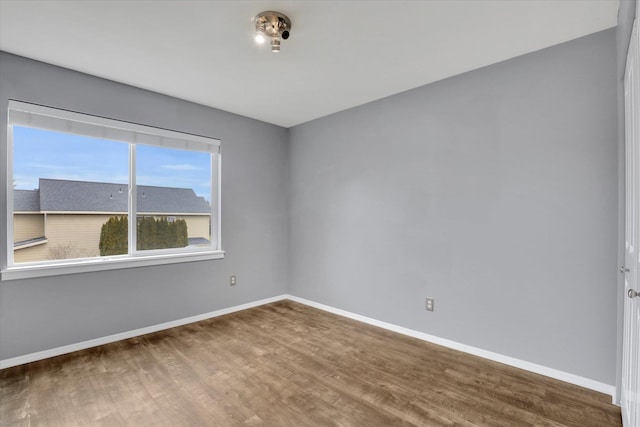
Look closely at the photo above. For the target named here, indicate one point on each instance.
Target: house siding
(197, 226)
(78, 235)
(31, 253)
(74, 236)
(27, 226)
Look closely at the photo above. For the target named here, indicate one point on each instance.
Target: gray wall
(495, 191)
(40, 314)
(626, 14)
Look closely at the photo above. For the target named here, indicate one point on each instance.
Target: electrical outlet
(232, 280)
(430, 303)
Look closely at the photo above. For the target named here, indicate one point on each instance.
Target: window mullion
(132, 200)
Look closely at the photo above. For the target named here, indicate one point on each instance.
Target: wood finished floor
(286, 364)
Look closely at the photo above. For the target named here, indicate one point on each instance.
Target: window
(90, 193)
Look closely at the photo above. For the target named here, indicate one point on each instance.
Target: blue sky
(44, 154)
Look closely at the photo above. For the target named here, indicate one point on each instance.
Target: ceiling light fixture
(273, 26)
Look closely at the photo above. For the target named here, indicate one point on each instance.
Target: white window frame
(37, 116)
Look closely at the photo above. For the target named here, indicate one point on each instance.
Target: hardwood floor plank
(286, 364)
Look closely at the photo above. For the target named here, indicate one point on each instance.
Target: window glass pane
(70, 194)
(173, 198)
(65, 189)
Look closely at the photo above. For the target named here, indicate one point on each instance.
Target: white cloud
(47, 166)
(183, 167)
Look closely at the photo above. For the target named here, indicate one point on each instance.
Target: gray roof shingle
(82, 196)
(26, 201)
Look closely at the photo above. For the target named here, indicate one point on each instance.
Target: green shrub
(152, 233)
(160, 233)
(114, 236)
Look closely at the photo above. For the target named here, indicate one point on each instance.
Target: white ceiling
(340, 54)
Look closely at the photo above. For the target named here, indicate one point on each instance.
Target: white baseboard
(528, 366)
(32, 357)
(507, 360)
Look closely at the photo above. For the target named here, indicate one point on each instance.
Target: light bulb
(260, 38)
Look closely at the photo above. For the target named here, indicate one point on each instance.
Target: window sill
(102, 264)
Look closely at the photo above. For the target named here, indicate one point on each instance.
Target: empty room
(319, 213)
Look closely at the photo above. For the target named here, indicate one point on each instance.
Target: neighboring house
(63, 219)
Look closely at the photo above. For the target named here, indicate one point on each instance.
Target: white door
(631, 339)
